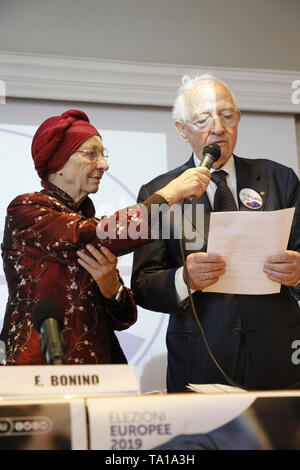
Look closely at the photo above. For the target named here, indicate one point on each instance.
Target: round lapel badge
(250, 198)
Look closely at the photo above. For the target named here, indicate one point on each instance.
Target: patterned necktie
(224, 200)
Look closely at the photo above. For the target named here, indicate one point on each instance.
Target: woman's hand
(102, 266)
(192, 183)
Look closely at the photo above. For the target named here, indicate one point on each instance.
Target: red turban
(57, 138)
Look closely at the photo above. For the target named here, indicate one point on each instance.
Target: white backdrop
(142, 143)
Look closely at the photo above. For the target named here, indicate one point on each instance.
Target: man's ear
(181, 130)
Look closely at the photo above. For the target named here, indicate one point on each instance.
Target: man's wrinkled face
(210, 100)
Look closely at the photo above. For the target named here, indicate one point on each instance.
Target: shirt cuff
(180, 286)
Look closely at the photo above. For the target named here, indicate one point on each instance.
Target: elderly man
(249, 336)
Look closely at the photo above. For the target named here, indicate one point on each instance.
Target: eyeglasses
(93, 155)
(205, 122)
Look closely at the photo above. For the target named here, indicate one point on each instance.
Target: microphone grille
(213, 150)
(44, 309)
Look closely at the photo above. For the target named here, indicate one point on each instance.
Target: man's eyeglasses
(93, 155)
(205, 122)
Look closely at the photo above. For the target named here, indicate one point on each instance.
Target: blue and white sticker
(250, 198)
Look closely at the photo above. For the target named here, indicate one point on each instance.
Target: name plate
(83, 380)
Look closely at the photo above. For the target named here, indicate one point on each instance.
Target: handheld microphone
(211, 153)
(48, 320)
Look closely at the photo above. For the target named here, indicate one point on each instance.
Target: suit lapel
(249, 176)
(189, 164)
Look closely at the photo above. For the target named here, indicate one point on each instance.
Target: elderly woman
(51, 249)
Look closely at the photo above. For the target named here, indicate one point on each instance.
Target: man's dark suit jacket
(265, 326)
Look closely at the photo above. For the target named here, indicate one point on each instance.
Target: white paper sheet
(245, 239)
(215, 388)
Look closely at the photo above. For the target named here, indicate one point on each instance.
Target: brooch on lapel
(250, 198)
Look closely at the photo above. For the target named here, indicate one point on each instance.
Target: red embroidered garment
(42, 234)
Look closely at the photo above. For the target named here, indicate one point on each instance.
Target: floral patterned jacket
(43, 231)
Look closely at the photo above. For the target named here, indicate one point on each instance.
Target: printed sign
(83, 380)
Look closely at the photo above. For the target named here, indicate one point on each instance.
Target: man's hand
(102, 267)
(204, 269)
(283, 267)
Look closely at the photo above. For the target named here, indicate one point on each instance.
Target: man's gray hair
(181, 108)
